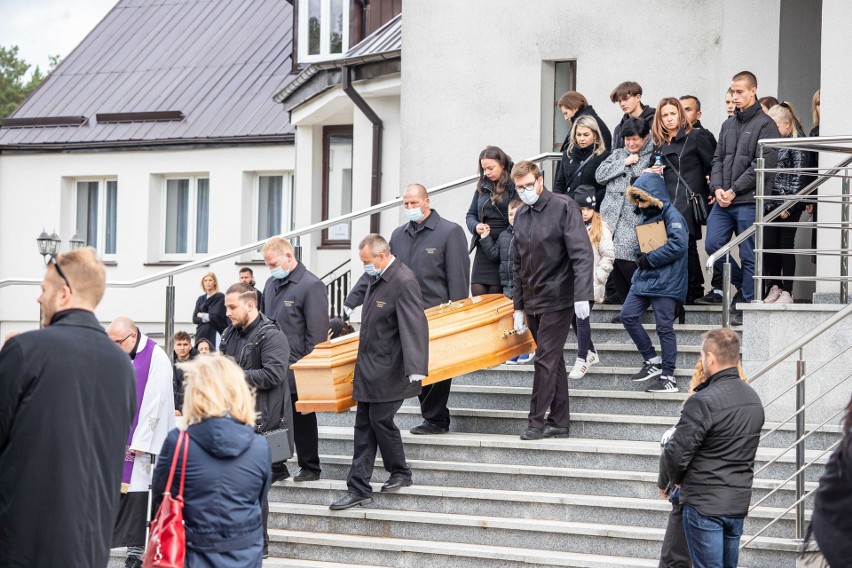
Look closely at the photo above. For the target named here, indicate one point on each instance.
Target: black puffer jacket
(736, 152)
(578, 168)
(692, 155)
(832, 516)
(790, 183)
(647, 115)
(589, 111)
(502, 249)
(711, 454)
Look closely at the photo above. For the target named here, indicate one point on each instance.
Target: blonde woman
(209, 315)
(586, 151)
(228, 467)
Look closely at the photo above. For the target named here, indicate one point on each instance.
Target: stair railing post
(170, 318)
(800, 447)
(726, 291)
(760, 176)
(844, 242)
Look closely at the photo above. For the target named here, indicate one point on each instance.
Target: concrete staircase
(483, 497)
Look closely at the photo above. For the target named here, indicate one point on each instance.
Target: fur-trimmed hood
(651, 187)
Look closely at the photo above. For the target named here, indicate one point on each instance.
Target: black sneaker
(711, 298)
(663, 384)
(649, 371)
(736, 317)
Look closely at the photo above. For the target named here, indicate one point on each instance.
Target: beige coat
(604, 259)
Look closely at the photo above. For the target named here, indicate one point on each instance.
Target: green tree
(13, 86)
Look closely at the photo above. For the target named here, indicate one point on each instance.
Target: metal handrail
(334, 270)
(795, 442)
(191, 265)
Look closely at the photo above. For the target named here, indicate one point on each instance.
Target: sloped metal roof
(385, 43)
(219, 62)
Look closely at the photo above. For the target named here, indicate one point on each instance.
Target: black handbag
(279, 444)
(696, 201)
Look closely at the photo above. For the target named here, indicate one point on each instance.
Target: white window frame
(192, 221)
(102, 213)
(288, 202)
(325, 40)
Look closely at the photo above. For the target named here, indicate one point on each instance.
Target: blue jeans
(735, 219)
(665, 310)
(714, 542)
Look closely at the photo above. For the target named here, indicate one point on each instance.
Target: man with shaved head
(67, 397)
(154, 418)
(436, 251)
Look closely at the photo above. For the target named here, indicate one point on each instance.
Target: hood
(222, 437)
(651, 187)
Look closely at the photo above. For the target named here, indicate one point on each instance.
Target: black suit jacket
(394, 338)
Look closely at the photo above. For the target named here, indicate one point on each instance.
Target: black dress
(214, 306)
(495, 214)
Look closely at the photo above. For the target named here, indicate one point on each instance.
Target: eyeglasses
(125, 339)
(52, 260)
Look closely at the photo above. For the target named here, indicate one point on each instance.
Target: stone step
(117, 556)
(518, 505)
(440, 475)
(413, 553)
(709, 316)
(640, 425)
(552, 453)
(687, 334)
(603, 376)
(625, 354)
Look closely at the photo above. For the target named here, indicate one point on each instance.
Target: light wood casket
(464, 336)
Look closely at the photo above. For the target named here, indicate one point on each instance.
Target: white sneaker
(773, 295)
(579, 370)
(592, 358)
(527, 359)
(784, 298)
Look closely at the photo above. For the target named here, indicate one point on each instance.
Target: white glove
(347, 310)
(519, 322)
(581, 310)
(415, 378)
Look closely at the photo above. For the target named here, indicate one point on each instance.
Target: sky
(41, 28)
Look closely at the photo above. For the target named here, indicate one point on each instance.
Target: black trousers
(695, 288)
(375, 428)
(433, 403)
(306, 437)
(777, 236)
(550, 380)
(675, 552)
(622, 276)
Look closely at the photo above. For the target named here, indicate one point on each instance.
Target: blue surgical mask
(528, 196)
(371, 270)
(279, 273)
(415, 215)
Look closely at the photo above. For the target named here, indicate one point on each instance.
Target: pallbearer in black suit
(296, 299)
(436, 250)
(393, 357)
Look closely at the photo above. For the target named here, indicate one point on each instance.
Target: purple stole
(142, 366)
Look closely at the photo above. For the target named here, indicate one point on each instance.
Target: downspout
(376, 179)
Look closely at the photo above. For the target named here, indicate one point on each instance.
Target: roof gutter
(376, 166)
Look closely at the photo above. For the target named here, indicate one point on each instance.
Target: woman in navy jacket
(228, 468)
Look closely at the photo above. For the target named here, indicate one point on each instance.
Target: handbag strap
(183, 439)
(683, 181)
(183, 465)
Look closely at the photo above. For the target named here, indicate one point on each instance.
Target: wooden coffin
(464, 336)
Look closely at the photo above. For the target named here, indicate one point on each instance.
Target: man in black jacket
(393, 357)
(184, 351)
(67, 398)
(247, 276)
(260, 348)
(711, 454)
(553, 280)
(296, 299)
(732, 183)
(436, 250)
(628, 95)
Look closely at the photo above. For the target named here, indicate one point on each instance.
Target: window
(565, 79)
(323, 29)
(336, 182)
(187, 216)
(274, 205)
(96, 206)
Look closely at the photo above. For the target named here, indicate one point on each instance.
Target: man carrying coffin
(436, 250)
(155, 417)
(393, 357)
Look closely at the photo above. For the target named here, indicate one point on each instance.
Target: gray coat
(394, 338)
(615, 209)
(299, 305)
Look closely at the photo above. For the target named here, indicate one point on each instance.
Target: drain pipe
(376, 164)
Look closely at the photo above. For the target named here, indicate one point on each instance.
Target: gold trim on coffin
(464, 336)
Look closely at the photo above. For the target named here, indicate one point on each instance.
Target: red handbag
(167, 543)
